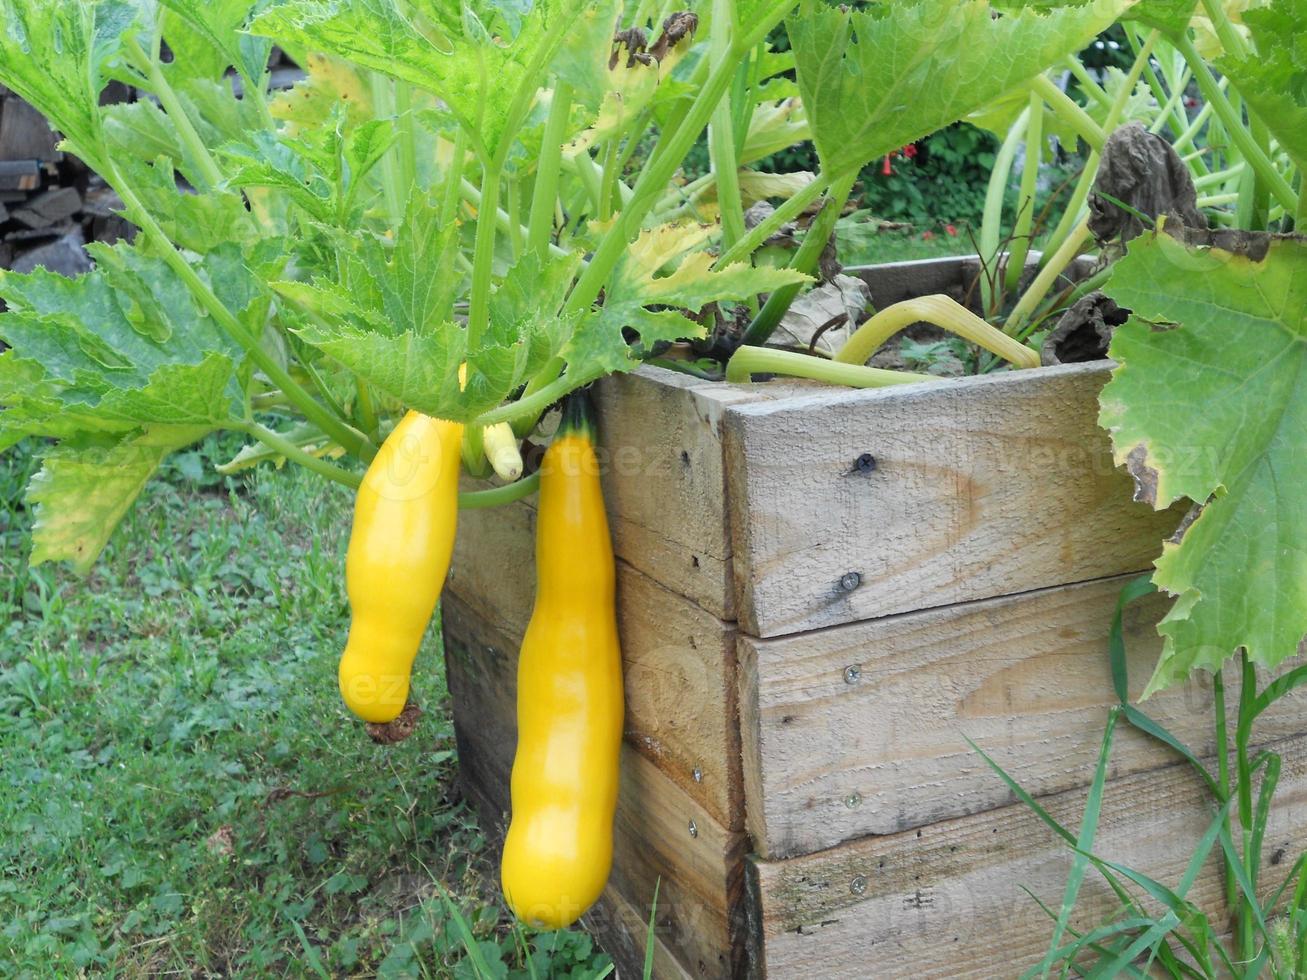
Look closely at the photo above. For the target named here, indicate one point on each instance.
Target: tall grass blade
(1085, 842)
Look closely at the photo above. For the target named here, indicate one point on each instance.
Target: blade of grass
(310, 954)
(1112, 969)
(1085, 842)
(1133, 590)
(464, 932)
(649, 936)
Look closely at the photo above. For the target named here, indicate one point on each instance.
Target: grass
(182, 791)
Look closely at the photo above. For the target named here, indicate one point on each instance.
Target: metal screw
(852, 673)
(866, 463)
(858, 885)
(853, 800)
(850, 581)
(694, 830)
(698, 774)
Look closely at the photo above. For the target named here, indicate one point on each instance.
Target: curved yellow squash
(569, 696)
(399, 549)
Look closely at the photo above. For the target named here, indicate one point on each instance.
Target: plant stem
(721, 132)
(805, 261)
(472, 194)
(454, 179)
(1053, 268)
(748, 361)
(531, 405)
(209, 172)
(1072, 214)
(1069, 111)
(544, 195)
(367, 413)
(483, 256)
(991, 222)
(353, 440)
(667, 156)
(295, 454)
(788, 211)
(1025, 220)
(1239, 133)
(1243, 776)
(1087, 82)
(941, 311)
(480, 499)
(383, 101)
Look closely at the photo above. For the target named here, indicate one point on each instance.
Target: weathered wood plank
(982, 486)
(662, 836)
(947, 900)
(859, 729)
(679, 660)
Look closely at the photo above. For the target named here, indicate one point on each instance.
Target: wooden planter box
(820, 592)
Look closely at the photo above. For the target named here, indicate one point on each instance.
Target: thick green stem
(453, 192)
(1025, 220)
(1087, 83)
(209, 172)
(805, 260)
(760, 232)
(295, 454)
(991, 223)
(607, 180)
(472, 194)
(544, 195)
(483, 256)
(1053, 268)
(353, 440)
(1069, 111)
(1279, 187)
(721, 132)
(748, 361)
(367, 413)
(497, 497)
(406, 156)
(383, 101)
(668, 155)
(1071, 216)
(1300, 215)
(943, 312)
(532, 404)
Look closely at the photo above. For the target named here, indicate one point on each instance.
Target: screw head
(858, 885)
(698, 774)
(866, 463)
(853, 800)
(852, 673)
(850, 581)
(694, 829)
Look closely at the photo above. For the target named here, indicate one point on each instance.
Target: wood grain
(983, 486)
(662, 836)
(946, 900)
(860, 729)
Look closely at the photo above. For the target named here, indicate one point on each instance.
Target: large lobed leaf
(1210, 404)
(875, 80)
(473, 55)
(1273, 79)
(54, 56)
(122, 367)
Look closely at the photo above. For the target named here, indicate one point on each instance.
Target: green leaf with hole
(876, 80)
(1209, 404)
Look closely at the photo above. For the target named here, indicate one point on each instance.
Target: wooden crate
(807, 641)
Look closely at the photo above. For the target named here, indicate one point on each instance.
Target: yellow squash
(399, 550)
(569, 696)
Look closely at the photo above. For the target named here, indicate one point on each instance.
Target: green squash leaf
(1273, 79)
(877, 80)
(1210, 404)
(54, 56)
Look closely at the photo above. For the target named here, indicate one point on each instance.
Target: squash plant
(488, 184)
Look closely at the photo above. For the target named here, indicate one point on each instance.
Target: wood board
(946, 900)
(981, 486)
(862, 729)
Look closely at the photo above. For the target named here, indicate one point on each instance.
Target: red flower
(952, 230)
(927, 235)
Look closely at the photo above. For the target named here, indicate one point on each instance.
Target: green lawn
(182, 791)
